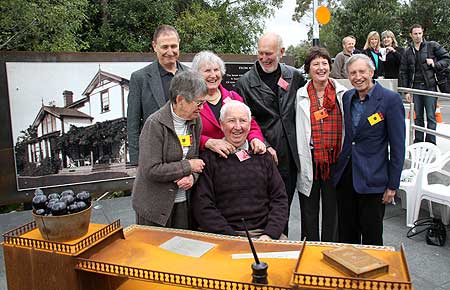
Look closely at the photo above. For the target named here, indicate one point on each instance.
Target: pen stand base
(259, 273)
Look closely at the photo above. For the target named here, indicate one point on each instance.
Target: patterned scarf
(326, 134)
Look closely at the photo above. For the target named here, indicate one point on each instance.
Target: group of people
(414, 67)
(208, 157)
(384, 52)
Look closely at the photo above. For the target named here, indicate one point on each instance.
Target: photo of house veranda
(69, 122)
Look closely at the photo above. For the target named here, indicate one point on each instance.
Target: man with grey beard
(269, 89)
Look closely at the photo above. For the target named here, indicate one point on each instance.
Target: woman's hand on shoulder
(220, 146)
(258, 146)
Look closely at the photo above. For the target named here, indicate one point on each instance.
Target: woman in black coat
(372, 50)
(393, 55)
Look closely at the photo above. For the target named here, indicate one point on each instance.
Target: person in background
(244, 185)
(149, 86)
(168, 155)
(417, 71)
(212, 68)
(348, 47)
(320, 131)
(371, 161)
(393, 55)
(269, 89)
(372, 50)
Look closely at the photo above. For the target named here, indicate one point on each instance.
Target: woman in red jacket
(212, 68)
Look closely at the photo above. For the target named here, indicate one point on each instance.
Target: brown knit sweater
(229, 190)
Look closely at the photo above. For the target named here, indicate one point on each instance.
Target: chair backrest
(422, 153)
(439, 165)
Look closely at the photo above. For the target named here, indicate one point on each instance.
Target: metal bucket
(65, 227)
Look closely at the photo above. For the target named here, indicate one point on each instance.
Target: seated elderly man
(243, 185)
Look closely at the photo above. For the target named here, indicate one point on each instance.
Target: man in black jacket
(417, 68)
(269, 89)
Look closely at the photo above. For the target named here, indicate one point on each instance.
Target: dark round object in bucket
(65, 227)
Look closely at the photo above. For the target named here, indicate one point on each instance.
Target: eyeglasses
(199, 103)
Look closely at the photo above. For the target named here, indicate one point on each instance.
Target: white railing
(412, 126)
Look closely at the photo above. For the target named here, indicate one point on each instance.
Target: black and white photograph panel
(69, 121)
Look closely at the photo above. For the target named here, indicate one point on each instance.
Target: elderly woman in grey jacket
(320, 131)
(168, 155)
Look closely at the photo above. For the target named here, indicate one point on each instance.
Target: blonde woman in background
(372, 49)
(393, 55)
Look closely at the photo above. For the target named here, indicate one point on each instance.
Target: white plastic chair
(419, 154)
(438, 193)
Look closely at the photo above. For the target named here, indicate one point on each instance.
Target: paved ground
(429, 265)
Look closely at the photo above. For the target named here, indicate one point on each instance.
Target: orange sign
(323, 14)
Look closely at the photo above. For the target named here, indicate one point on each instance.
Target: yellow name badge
(375, 118)
(185, 140)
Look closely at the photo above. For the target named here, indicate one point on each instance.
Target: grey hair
(348, 36)
(234, 104)
(278, 39)
(207, 57)
(187, 84)
(359, 56)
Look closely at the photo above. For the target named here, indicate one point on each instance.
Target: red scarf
(326, 134)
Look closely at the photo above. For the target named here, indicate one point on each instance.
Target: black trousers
(310, 212)
(360, 215)
(289, 176)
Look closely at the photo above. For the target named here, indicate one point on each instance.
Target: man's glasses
(199, 103)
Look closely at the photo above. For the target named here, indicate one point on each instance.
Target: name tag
(375, 118)
(185, 140)
(283, 84)
(320, 114)
(242, 155)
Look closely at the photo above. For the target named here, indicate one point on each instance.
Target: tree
(42, 25)
(304, 7)
(357, 18)
(299, 52)
(224, 26)
(435, 19)
(126, 25)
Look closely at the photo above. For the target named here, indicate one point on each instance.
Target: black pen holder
(259, 273)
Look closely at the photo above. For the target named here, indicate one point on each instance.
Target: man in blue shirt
(368, 174)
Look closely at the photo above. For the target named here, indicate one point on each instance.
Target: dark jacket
(160, 164)
(428, 49)
(392, 63)
(374, 167)
(146, 96)
(274, 113)
(379, 71)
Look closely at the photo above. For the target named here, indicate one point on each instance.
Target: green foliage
(126, 25)
(304, 7)
(433, 16)
(227, 26)
(224, 26)
(42, 25)
(299, 52)
(358, 18)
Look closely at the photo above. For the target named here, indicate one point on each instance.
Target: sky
(292, 32)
